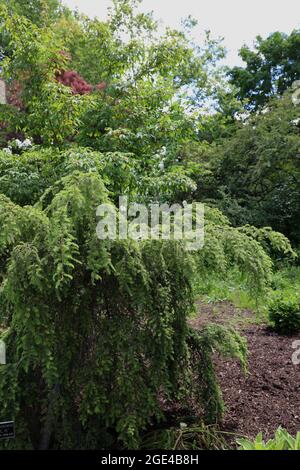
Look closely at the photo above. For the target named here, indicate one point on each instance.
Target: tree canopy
(271, 68)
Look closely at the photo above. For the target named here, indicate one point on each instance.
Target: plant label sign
(7, 430)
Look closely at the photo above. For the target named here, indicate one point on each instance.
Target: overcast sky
(238, 21)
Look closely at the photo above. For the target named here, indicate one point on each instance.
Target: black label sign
(7, 430)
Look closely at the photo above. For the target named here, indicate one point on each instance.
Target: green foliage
(270, 69)
(97, 330)
(203, 344)
(39, 12)
(186, 437)
(70, 301)
(100, 326)
(48, 112)
(284, 313)
(281, 441)
(286, 279)
(25, 179)
(275, 243)
(245, 249)
(55, 115)
(143, 103)
(257, 170)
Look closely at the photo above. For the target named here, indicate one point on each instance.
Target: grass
(231, 289)
(285, 280)
(193, 437)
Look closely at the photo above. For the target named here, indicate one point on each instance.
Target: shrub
(281, 441)
(24, 179)
(95, 330)
(74, 81)
(284, 313)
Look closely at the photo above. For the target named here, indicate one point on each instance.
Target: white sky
(237, 21)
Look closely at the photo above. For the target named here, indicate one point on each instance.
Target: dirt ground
(268, 397)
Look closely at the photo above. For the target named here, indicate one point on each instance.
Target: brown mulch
(268, 397)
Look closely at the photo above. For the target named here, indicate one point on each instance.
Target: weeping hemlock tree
(97, 330)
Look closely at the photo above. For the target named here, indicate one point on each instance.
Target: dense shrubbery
(284, 313)
(257, 169)
(25, 179)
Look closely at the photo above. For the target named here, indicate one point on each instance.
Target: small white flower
(295, 122)
(163, 151)
(183, 426)
(18, 143)
(7, 150)
(265, 110)
(161, 166)
(27, 143)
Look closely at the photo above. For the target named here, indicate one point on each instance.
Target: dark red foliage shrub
(73, 80)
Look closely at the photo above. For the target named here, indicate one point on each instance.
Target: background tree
(257, 170)
(270, 68)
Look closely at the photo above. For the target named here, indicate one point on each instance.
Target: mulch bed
(268, 397)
